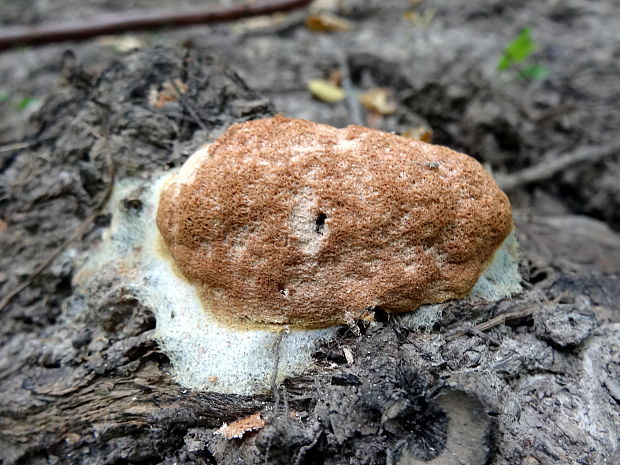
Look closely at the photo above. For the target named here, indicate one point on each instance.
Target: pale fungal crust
(285, 222)
(206, 354)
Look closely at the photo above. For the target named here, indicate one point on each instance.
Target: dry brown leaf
(326, 91)
(335, 77)
(410, 16)
(158, 97)
(327, 22)
(3, 225)
(379, 100)
(238, 428)
(423, 133)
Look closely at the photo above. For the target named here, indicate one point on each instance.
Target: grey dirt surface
(81, 376)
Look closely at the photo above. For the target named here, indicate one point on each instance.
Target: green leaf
(518, 50)
(535, 71)
(25, 102)
(504, 63)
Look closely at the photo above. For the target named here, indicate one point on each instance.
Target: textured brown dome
(288, 222)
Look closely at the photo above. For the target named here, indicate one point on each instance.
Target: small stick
(307, 447)
(503, 318)
(79, 231)
(138, 20)
(21, 145)
(355, 112)
(274, 373)
(553, 165)
(188, 106)
(15, 146)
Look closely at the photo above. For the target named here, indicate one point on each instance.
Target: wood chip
(72, 438)
(238, 428)
(348, 355)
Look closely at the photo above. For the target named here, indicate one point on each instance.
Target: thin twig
(14, 146)
(190, 109)
(21, 145)
(355, 111)
(138, 20)
(503, 318)
(81, 230)
(307, 447)
(84, 226)
(274, 373)
(554, 164)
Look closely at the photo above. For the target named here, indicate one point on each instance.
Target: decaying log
(83, 381)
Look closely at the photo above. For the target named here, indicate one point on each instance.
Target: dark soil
(81, 376)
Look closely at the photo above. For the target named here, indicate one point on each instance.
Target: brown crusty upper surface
(288, 222)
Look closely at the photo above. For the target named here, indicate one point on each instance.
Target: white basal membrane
(205, 354)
